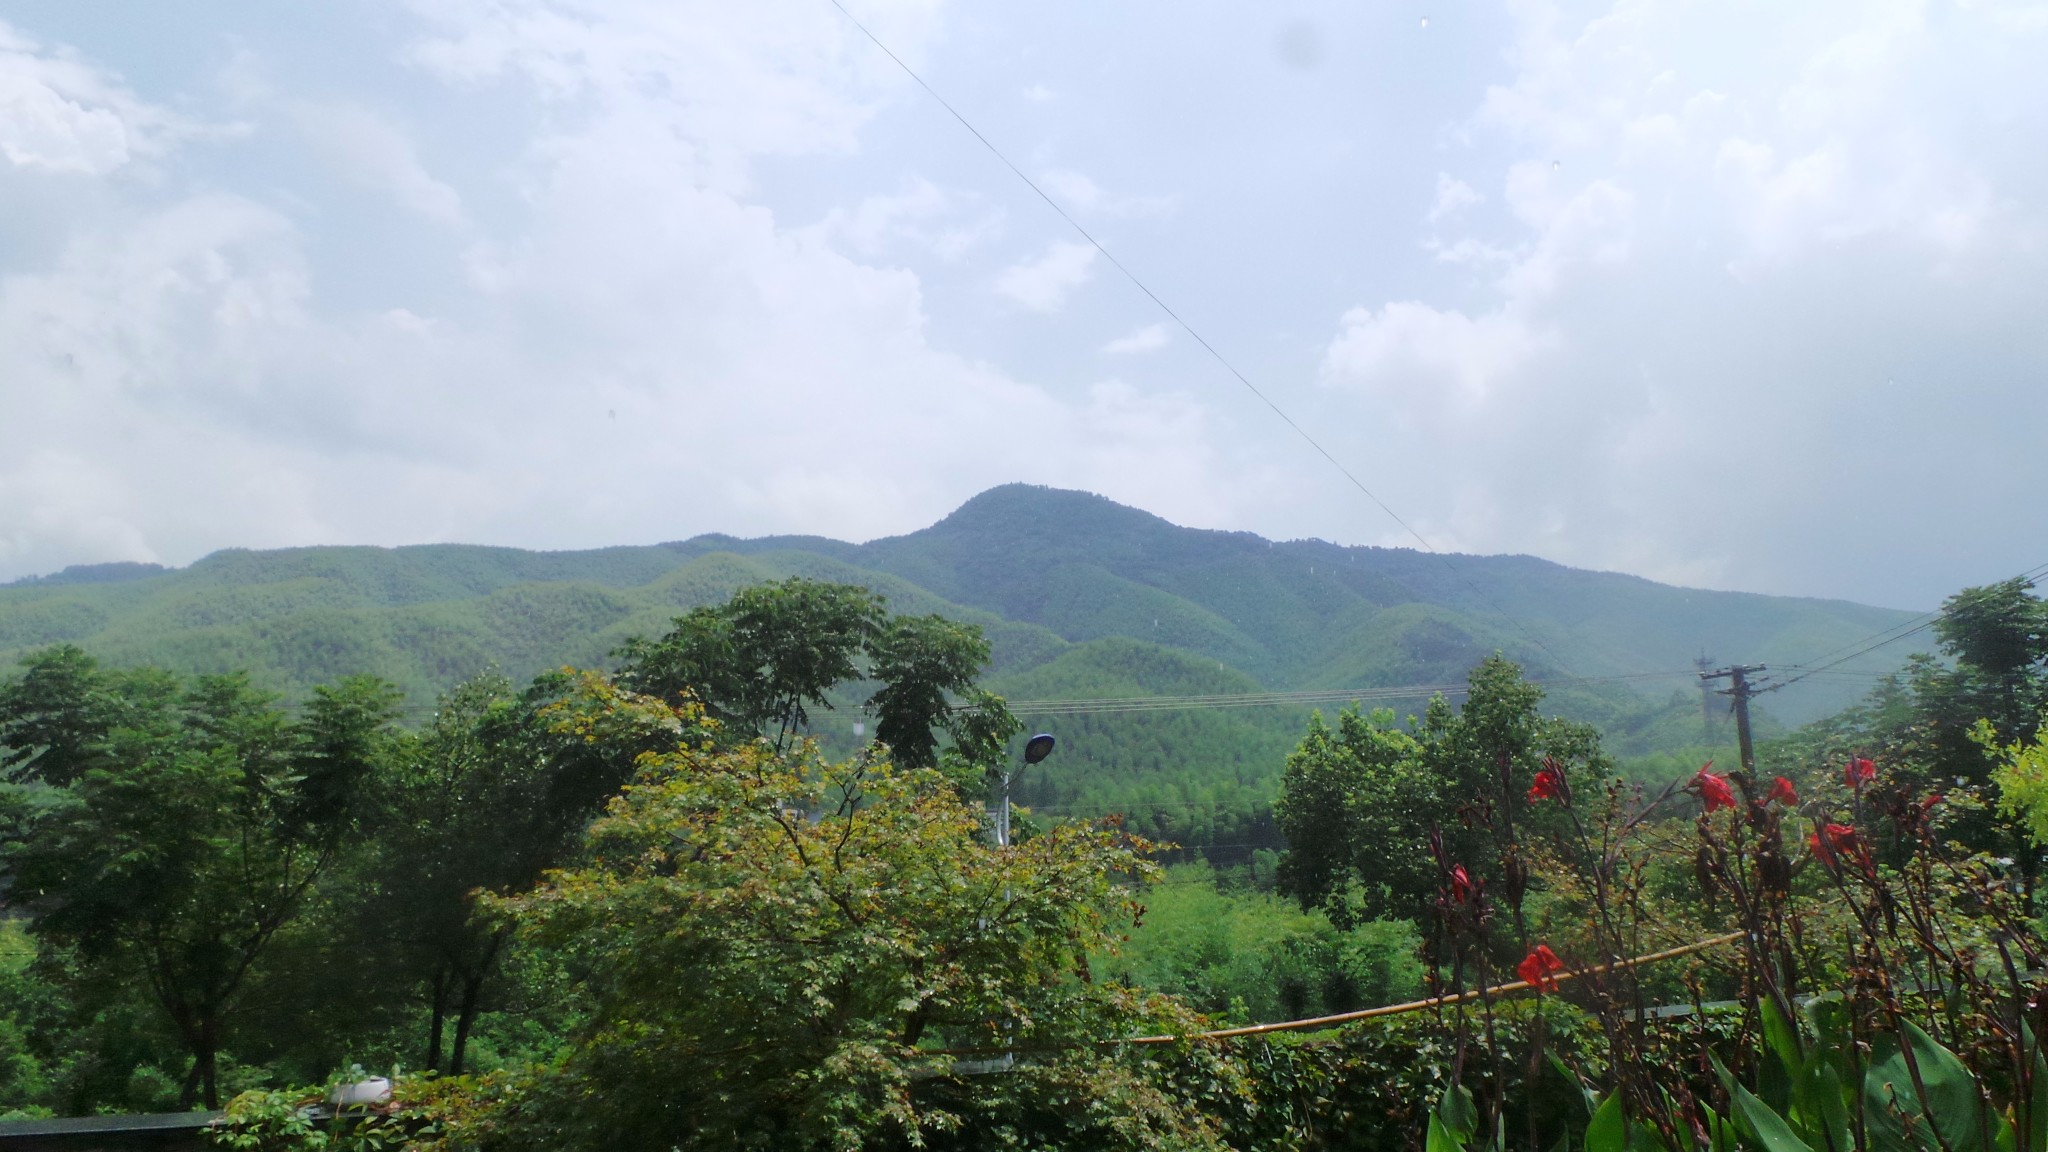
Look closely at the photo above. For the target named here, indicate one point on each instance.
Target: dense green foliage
(1078, 597)
(591, 888)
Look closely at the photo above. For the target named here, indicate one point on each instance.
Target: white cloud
(1040, 94)
(1043, 284)
(1713, 248)
(921, 213)
(177, 381)
(59, 114)
(1429, 365)
(1706, 231)
(1452, 197)
(364, 147)
(1150, 338)
(1077, 191)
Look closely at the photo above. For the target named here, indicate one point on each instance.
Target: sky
(1734, 295)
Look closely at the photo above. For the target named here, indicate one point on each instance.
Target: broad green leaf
(1783, 1084)
(1608, 1130)
(1586, 1096)
(1831, 1109)
(1895, 1117)
(1764, 1122)
(1440, 1138)
(2036, 1118)
(1722, 1135)
(1458, 1113)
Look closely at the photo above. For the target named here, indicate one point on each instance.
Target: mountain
(1083, 598)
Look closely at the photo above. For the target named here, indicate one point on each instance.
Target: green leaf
(2037, 1100)
(1895, 1114)
(1786, 1087)
(1831, 1108)
(1608, 1130)
(1764, 1122)
(1458, 1113)
(1440, 1138)
(1586, 1096)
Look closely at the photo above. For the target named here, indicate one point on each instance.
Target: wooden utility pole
(1740, 690)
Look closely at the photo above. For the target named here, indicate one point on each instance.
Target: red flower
(1859, 772)
(1539, 967)
(1783, 792)
(1714, 790)
(1834, 842)
(1549, 784)
(1461, 884)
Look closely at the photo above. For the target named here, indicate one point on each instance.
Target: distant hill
(1083, 597)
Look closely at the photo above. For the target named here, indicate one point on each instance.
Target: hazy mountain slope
(1083, 598)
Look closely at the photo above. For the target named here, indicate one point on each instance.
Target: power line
(1218, 356)
(1876, 640)
(1071, 707)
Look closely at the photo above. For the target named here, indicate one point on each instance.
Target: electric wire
(1873, 642)
(1211, 349)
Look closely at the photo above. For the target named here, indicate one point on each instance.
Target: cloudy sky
(1742, 295)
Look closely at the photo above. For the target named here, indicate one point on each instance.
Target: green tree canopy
(782, 952)
(1368, 808)
(189, 834)
(763, 659)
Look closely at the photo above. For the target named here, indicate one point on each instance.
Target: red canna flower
(1836, 842)
(1859, 772)
(1548, 785)
(1783, 792)
(1461, 885)
(1713, 789)
(1540, 968)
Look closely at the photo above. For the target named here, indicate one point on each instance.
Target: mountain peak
(1032, 509)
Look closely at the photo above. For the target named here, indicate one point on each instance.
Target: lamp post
(1035, 749)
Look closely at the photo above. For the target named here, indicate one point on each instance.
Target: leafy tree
(1948, 726)
(2000, 633)
(1357, 806)
(781, 952)
(763, 658)
(192, 839)
(922, 661)
(1374, 814)
(492, 794)
(54, 720)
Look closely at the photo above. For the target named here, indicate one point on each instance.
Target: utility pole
(1740, 690)
(1705, 664)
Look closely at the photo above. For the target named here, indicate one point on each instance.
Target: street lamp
(1035, 749)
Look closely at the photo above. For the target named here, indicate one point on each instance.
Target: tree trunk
(202, 1082)
(472, 995)
(440, 1018)
(188, 1093)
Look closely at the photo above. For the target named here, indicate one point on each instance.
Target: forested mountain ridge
(1082, 597)
(1042, 568)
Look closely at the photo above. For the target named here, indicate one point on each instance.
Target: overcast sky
(1741, 295)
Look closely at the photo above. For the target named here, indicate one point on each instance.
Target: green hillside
(1083, 598)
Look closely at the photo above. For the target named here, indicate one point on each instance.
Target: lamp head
(1038, 747)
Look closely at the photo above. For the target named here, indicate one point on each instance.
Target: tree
(190, 837)
(922, 662)
(1357, 808)
(54, 720)
(1374, 816)
(761, 660)
(781, 952)
(497, 790)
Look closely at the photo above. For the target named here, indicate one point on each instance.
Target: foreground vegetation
(642, 910)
